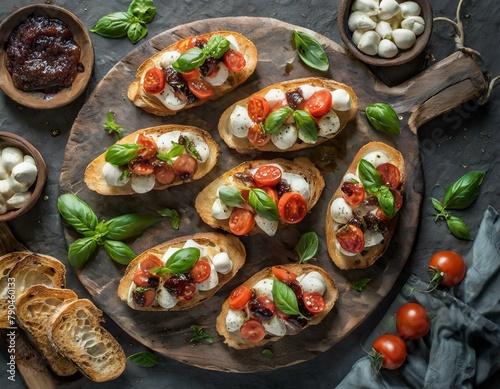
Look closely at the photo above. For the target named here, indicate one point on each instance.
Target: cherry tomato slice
(200, 88)
(257, 136)
(149, 146)
(314, 302)
(392, 349)
(448, 267)
(188, 43)
(412, 321)
(283, 274)
(351, 238)
(319, 103)
(258, 109)
(267, 175)
(150, 262)
(154, 81)
(234, 60)
(200, 271)
(145, 279)
(292, 207)
(187, 291)
(241, 221)
(279, 104)
(144, 298)
(185, 166)
(239, 297)
(390, 174)
(271, 192)
(164, 174)
(141, 167)
(253, 331)
(191, 75)
(353, 192)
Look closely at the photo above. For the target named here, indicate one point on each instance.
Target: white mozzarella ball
(221, 211)
(3, 173)
(16, 186)
(222, 263)
(285, 137)
(211, 282)
(233, 44)
(190, 243)
(25, 173)
(357, 35)
(234, 320)
(201, 147)
(268, 226)
(376, 158)
(369, 7)
(264, 288)
(170, 251)
(164, 141)
(369, 42)
(5, 189)
(341, 211)
(384, 29)
(416, 24)
(341, 100)
(350, 177)
(11, 156)
(220, 77)
(387, 49)
(142, 184)
(240, 122)
(29, 159)
(403, 38)
(170, 100)
(313, 282)
(373, 238)
(360, 21)
(274, 96)
(18, 200)
(114, 175)
(409, 8)
(168, 58)
(328, 124)
(275, 326)
(297, 184)
(165, 299)
(388, 8)
(308, 90)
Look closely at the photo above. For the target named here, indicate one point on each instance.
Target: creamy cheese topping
(114, 175)
(168, 98)
(240, 122)
(234, 320)
(264, 288)
(285, 137)
(220, 77)
(297, 184)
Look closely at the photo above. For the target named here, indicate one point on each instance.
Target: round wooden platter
(438, 89)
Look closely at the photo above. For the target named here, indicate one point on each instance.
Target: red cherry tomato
(353, 192)
(390, 174)
(267, 175)
(266, 303)
(412, 321)
(191, 75)
(351, 238)
(145, 279)
(292, 207)
(314, 302)
(239, 297)
(200, 88)
(258, 109)
(185, 166)
(144, 298)
(150, 262)
(448, 268)
(149, 147)
(141, 167)
(389, 351)
(200, 271)
(283, 274)
(257, 136)
(154, 81)
(241, 221)
(164, 174)
(188, 43)
(253, 331)
(319, 103)
(273, 193)
(279, 104)
(234, 60)
(187, 291)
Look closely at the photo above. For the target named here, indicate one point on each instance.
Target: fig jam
(42, 55)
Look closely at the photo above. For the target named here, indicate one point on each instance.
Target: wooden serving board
(440, 88)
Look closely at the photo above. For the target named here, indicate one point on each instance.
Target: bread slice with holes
(34, 310)
(75, 331)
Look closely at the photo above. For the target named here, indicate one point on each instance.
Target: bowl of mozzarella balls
(385, 32)
(22, 175)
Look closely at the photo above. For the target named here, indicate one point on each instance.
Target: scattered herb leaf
(268, 353)
(173, 216)
(310, 51)
(199, 335)
(307, 246)
(383, 118)
(111, 126)
(360, 285)
(144, 359)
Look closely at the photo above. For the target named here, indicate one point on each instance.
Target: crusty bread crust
(222, 242)
(75, 331)
(243, 145)
(236, 341)
(368, 257)
(34, 310)
(151, 104)
(301, 166)
(95, 179)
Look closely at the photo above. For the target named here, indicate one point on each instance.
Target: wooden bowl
(403, 56)
(9, 139)
(39, 99)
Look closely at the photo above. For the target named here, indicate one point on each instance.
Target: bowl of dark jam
(47, 56)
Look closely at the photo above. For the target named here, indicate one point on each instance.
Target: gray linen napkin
(462, 348)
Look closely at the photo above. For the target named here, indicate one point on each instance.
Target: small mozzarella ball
(308, 90)
(211, 282)
(369, 43)
(341, 100)
(395, 21)
(329, 124)
(373, 238)
(264, 288)
(387, 49)
(409, 8)
(220, 77)
(234, 320)
(221, 211)
(18, 200)
(164, 141)
(5, 189)
(297, 184)
(360, 21)
(404, 39)
(170, 251)
(165, 299)
(3, 173)
(369, 7)
(268, 226)
(341, 211)
(388, 8)
(190, 243)
(169, 58)
(142, 184)
(415, 24)
(240, 122)
(17, 187)
(201, 147)
(114, 175)
(25, 173)
(384, 29)
(222, 263)
(356, 36)
(233, 44)
(304, 138)
(350, 177)
(376, 158)
(11, 156)
(275, 326)
(285, 137)
(274, 96)
(29, 159)
(313, 282)
(170, 100)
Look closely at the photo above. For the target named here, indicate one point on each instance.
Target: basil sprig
(383, 118)
(374, 185)
(284, 298)
(112, 127)
(310, 51)
(276, 119)
(121, 154)
(195, 57)
(171, 154)
(263, 204)
(231, 196)
(307, 246)
(459, 195)
(144, 359)
(306, 125)
(131, 23)
(179, 262)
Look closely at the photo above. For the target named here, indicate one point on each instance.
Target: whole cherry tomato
(447, 268)
(388, 351)
(412, 321)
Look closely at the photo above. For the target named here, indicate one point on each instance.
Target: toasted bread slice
(75, 331)
(34, 310)
(214, 243)
(152, 104)
(300, 166)
(95, 180)
(369, 255)
(334, 122)
(234, 338)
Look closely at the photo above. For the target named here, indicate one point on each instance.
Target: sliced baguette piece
(214, 242)
(367, 257)
(234, 339)
(243, 145)
(34, 310)
(301, 166)
(94, 178)
(151, 104)
(75, 331)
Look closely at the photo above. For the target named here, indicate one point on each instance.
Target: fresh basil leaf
(386, 201)
(284, 298)
(436, 204)
(383, 118)
(307, 246)
(276, 119)
(132, 224)
(121, 154)
(182, 260)
(111, 126)
(306, 125)
(464, 191)
(310, 51)
(217, 46)
(200, 335)
(171, 154)
(114, 25)
(77, 213)
(100, 230)
(119, 251)
(173, 215)
(231, 196)
(458, 228)
(190, 60)
(360, 285)
(136, 32)
(190, 147)
(370, 177)
(142, 9)
(263, 204)
(144, 359)
(267, 353)
(80, 251)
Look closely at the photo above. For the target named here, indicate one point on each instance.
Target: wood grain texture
(168, 333)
